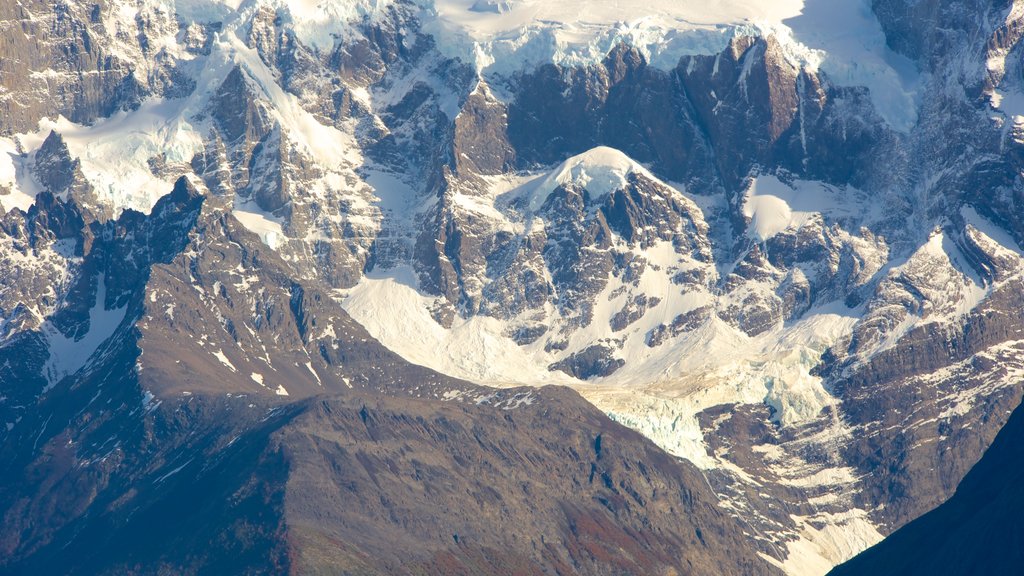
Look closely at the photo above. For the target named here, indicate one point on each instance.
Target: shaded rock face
(710, 123)
(940, 29)
(99, 269)
(976, 530)
(795, 210)
(597, 475)
(572, 245)
(194, 426)
(596, 361)
(622, 103)
(480, 141)
(288, 337)
(706, 123)
(928, 371)
(239, 116)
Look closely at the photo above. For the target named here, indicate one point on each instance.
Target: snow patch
(17, 187)
(309, 366)
(474, 349)
(989, 229)
(172, 472)
(774, 206)
(827, 540)
(115, 152)
(265, 225)
(219, 355)
(600, 172)
(68, 355)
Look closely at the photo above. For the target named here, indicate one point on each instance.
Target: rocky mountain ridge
(742, 253)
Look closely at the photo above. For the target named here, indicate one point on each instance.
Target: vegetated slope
(538, 482)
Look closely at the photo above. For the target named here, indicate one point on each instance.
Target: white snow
(475, 349)
(945, 287)
(318, 23)
(15, 174)
(173, 472)
(774, 206)
(768, 215)
(326, 144)
(840, 37)
(827, 539)
(115, 151)
(13, 179)
(484, 24)
(662, 389)
(150, 402)
(600, 171)
(844, 39)
(532, 32)
(309, 366)
(959, 402)
(1011, 102)
(1007, 97)
(265, 225)
(1003, 240)
(205, 10)
(68, 355)
(219, 354)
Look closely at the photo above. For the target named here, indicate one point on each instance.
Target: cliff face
(976, 531)
(789, 253)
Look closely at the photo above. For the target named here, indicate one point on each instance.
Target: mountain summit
(465, 286)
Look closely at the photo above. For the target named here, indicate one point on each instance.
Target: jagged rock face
(82, 61)
(934, 32)
(574, 246)
(279, 334)
(975, 530)
(202, 446)
(746, 96)
(480, 140)
(819, 308)
(242, 120)
(622, 103)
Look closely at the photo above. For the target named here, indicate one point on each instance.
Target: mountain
(375, 485)
(783, 242)
(977, 531)
(297, 442)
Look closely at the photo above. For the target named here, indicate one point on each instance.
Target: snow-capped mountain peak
(782, 240)
(599, 171)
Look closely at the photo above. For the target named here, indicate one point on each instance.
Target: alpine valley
(509, 286)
